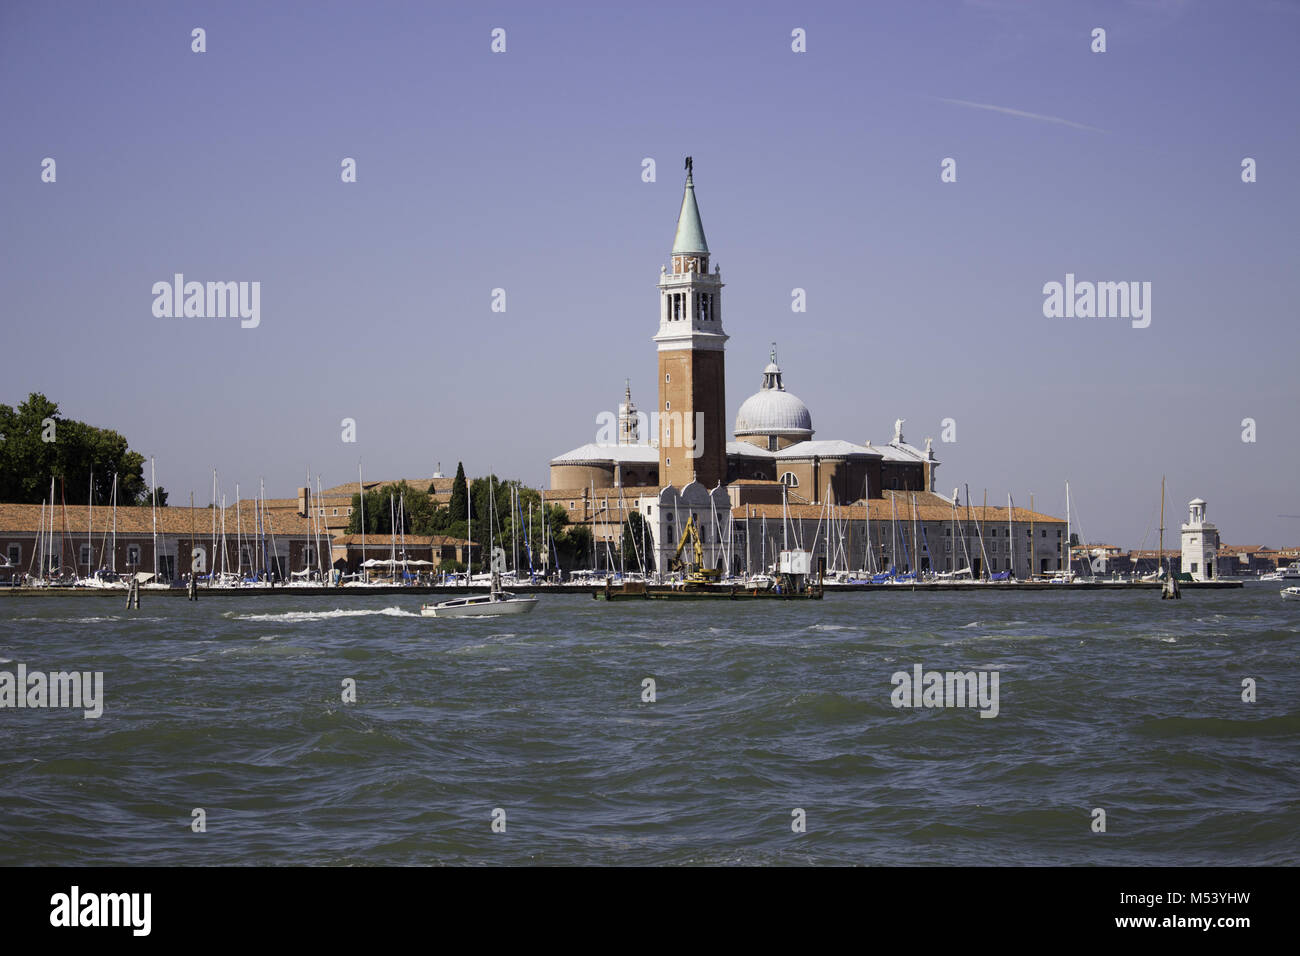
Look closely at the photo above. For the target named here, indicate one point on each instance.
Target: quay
(655, 591)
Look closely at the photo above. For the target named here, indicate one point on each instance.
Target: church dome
(774, 411)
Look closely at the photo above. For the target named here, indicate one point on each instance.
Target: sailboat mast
(40, 546)
(916, 538)
(153, 491)
(212, 567)
(361, 500)
(785, 517)
(1160, 555)
(114, 559)
(1031, 536)
(869, 563)
(320, 521)
(90, 521)
(239, 535)
(1011, 541)
(1068, 570)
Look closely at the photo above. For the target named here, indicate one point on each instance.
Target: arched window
(790, 480)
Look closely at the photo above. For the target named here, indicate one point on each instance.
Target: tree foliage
(37, 444)
(459, 494)
(400, 505)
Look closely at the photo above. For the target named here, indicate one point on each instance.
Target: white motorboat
(1291, 594)
(493, 603)
(1271, 576)
(1291, 572)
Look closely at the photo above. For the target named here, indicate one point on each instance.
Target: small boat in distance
(1291, 594)
(495, 602)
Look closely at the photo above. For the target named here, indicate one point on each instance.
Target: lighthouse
(1200, 543)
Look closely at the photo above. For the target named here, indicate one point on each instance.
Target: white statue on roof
(898, 430)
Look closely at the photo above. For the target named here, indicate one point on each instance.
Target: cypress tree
(459, 505)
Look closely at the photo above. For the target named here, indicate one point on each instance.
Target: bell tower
(692, 385)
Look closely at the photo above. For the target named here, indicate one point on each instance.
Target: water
(1117, 701)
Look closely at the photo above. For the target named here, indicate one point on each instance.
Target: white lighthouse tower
(1200, 543)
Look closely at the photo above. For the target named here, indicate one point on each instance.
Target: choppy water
(1117, 701)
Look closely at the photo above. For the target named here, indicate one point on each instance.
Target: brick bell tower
(692, 358)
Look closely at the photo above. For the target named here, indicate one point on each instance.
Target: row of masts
(833, 535)
(261, 538)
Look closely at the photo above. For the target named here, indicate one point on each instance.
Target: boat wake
(295, 617)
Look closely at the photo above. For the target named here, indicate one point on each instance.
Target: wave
(295, 617)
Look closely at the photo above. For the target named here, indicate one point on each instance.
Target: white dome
(774, 412)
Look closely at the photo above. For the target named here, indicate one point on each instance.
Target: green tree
(459, 495)
(32, 451)
(383, 505)
(637, 548)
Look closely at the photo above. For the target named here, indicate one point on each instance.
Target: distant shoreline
(205, 593)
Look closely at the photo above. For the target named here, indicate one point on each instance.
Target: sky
(522, 170)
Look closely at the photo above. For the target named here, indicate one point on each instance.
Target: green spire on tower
(690, 231)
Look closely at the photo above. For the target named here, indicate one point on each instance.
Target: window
(1058, 532)
(132, 555)
(349, 511)
(321, 511)
(947, 544)
(309, 556)
(790, 480)
(668, 461)
(336, 512)
(15, 553)
(1044, 533)
(771, 443)
(668, 376)
(85, 554)
(668, 406)
(993, 533)
(570, 505)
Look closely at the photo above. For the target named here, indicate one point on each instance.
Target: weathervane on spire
(773, 353)
(690, 166)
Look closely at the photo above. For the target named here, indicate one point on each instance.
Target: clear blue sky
(522, 171)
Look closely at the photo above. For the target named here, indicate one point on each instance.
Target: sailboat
(1169, 585)
(496, 601)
